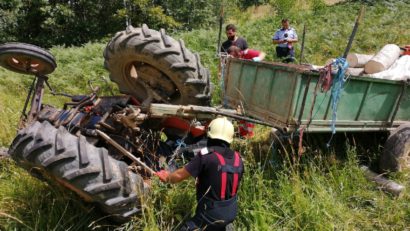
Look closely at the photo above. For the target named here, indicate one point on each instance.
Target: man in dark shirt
(218, 171)
(233, 39)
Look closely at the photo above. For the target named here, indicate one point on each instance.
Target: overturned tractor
(106, 148)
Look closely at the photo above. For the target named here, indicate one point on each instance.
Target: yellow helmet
(221, 128)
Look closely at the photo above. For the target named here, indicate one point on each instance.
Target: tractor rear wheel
(81, 167)
(153, 67)
(396, 153)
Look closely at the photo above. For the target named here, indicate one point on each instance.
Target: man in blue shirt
(285, 37)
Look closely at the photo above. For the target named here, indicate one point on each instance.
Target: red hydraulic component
(178, 123)
(246, 129)
(406, 50)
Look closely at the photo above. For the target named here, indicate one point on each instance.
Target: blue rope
(338, 84)
(180, 143)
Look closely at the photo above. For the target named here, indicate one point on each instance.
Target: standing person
(249, 54)
(218, 171)
(233, 39)
(285, 38)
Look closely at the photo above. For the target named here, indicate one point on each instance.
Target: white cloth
(281, 34)
(400, 70)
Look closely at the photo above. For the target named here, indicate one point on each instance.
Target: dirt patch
(332, 2)
(260, 11)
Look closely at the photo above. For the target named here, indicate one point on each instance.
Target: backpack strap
(223, 175)
(235, 170)
(235, 175)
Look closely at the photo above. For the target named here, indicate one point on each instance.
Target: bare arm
(277, 41)
(178, 176)
(295, 40)
(262, 55)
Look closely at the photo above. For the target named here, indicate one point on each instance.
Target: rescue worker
(285, 38)
(218, 171)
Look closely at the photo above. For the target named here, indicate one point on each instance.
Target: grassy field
(322, 192)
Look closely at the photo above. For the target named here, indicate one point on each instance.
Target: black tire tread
(396, 151)
(88, 169)
(166, 54)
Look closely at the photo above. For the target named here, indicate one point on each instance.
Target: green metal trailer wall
(275, 92)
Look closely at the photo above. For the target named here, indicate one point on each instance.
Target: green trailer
(284, 96)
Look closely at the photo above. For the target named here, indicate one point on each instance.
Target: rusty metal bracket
(125, 152)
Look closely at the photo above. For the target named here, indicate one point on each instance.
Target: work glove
(256, 59)
(162, 175)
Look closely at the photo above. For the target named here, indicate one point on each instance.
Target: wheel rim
(23, 63)
(26, 59)
(152, 83)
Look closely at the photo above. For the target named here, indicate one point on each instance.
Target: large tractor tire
(81, 167)
(396, 153)
(153, 67)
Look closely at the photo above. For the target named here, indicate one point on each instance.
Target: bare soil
(332, 2)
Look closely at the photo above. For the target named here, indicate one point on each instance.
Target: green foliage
(76, 67)
(290, 8)
(318, 5)
(329, 27)
(192, 13)
(284, 7)
(28, 204)
(145, 11)
(47, 23)
(243, 4)
(8, 19)
(319, 194)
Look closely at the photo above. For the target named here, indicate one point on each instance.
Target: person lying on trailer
(248, 54)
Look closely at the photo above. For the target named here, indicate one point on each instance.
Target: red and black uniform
(218, 170)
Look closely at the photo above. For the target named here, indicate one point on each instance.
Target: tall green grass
(76, 66)
(29, 204)
(323, 195)
(320, 193)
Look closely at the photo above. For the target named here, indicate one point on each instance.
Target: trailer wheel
(396, 153)
(26, 58)
(81, 167)
(153, 67)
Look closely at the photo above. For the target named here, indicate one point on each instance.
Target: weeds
(320, 193)
(317, 194)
